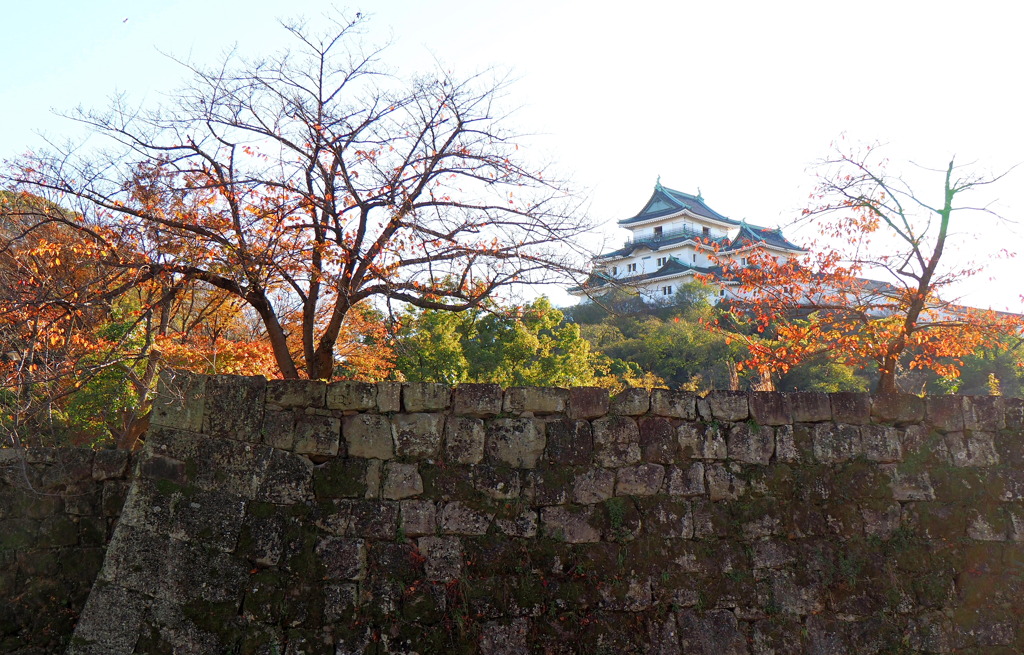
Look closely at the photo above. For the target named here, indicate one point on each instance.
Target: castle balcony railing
(666, 235)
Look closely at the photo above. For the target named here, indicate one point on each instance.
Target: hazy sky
(734, 98)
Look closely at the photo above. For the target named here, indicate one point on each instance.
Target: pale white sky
(736, 98)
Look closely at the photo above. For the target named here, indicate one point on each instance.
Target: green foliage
(823, 374)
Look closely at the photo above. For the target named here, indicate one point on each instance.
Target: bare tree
(309, 181)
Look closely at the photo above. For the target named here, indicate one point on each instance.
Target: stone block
(418, 518)
(686, 480)
(212, 518)
(343, 559)
(587, 402)
(517, 442)
(908, 485)
(110, 464)
(389, 397)
(220, 464)
(592, 486)
(634, 401)
(459, 518)
(945, 412)
(616, 441)
(770, 408)
(836, 443)
(505, 637)
(349, 395)
(401, 481)
(547, 486)
(1013, 412)
(535, 400)
(369, 436)
(317, 435)
(569, 443)
(642, 480)
(701, 441)
(727, 405)
(810, 407)
(898, 408)
(114, 494)
(984, 413)
(572, 524)
(851, 408)
(477, 400)
(658, 442)
(723, 483)
(674, 404)
(881, 522)
(881, 443)
(234, 407)
(179, 402)
(522, 525)
(972, 448)
(288, 480)
(751, 444)
(340, 478)
(158, 467)
(715, 632)
(464, 440)
(303, 394)
(279, 428)
(418, 436)
(426, 396)
(96, 633)
(497, 482)
(443, 558)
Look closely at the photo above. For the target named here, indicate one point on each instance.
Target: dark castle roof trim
(672, 268)
(667, 202)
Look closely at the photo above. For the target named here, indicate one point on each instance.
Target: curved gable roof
(752, 234)
(665, 202)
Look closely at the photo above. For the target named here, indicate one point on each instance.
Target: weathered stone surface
(443, 558)
(945, 412)
(701, 441)
(984, 413)
(810, 407)
(972, 448)
(911, 486)
(459, 518)
(96, 633)
(517, 442)
(897, 408)
(418, 435)
(498, 482)
(317, 435)
(369, 436)
(536, 400)
(727, 405)
(587, 402)
(180, 401)
(522, 525)
(770, 408)
(851, 408)
(388, 397)
(569, 443)
(426, 396)
(498, 638)
(723, 483)
(464, 440)
(418, 518)
(674, 404)
(303, 394)
(351, 395)
(671, 519)
(401, 481)
(342, 559)
(881, 443)
(642, 480)
(575, 525)
(658, 442)
(479, 400)
(882, 521)
(712, 633)
(279, 428)
(785, 444)
(233, 407)
(593, 486)
(751, 444)
(288, 480)
(836, 443)
(109, 464)
(686, 480)
(616, 441)
(634, 401)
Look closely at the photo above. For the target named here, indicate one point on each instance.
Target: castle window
(666, 291)
(631, 268)
(662, 260)
(615, 270)
(657, 232)
(706, 231)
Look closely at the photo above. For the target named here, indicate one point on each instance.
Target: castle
(676, 237)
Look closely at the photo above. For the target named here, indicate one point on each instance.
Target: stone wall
(304, 517)
(57, 510)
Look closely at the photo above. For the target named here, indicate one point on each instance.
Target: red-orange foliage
(823, 305)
